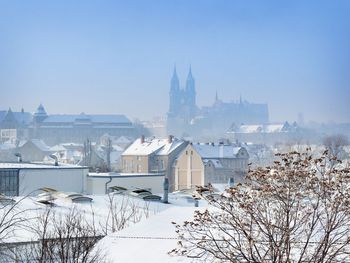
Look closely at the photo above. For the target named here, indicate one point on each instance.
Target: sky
(117, 57)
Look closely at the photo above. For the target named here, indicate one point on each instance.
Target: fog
(113, 57)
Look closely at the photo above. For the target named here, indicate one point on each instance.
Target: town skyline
(118, 58)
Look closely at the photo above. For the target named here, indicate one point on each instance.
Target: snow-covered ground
(151, 239)
(147, 237)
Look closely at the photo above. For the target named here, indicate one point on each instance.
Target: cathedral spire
(175, 74)
(189, 76)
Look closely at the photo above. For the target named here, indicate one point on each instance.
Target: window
(9, 182)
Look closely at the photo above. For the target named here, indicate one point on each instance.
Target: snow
(262, 128)
(37, 166)
(151, 239)
(209, 151)
(149, 146)
(41, 145)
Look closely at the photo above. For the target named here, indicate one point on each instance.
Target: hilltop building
(185, 118)
(59, 128)
(14, 125)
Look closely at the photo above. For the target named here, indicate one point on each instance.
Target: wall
(189, 170)
(67, 180)
(130, 163)
(96, 184)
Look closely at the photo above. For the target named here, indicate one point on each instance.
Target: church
(185, 118)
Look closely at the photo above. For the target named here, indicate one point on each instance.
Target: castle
(186, 119)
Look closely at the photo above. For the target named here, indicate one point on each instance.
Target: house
(34, 151)
(70, 153)
(152, 155)
(200, 164)
(58, 128)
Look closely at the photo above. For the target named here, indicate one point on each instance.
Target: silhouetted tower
(190, 94)
(40, 114)
(174, 94)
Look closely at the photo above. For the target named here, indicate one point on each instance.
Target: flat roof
(124, 175)
(39, 166)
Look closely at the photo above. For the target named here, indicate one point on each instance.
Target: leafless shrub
(122, 212)
(66, 238)
(12, 218)
(297, 210)
(335, 143)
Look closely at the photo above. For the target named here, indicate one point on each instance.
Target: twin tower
(182, 102)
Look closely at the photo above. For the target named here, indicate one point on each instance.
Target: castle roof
(101, 118)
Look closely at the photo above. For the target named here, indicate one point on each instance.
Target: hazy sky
(118, 57)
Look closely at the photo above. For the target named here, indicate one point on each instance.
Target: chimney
(170, 139)
(221, 151)
(231, 182)
(142, 138)
(166, 190)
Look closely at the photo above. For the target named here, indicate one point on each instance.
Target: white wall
(67, 180)
(96, 185)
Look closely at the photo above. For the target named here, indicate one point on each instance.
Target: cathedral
(186, 119)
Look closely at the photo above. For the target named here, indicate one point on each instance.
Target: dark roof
(22, 118)
(103, 118)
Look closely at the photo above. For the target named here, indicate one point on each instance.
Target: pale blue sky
(118, 57)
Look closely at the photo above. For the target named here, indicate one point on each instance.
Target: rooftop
(213, 151)
(39, 166)
(152, 145)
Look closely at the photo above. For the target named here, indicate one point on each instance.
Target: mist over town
(188, 131)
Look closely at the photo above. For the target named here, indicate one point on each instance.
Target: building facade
(185, 118)
(26, 178)
(151, 155)
(200, 164)
(14, 125)
(60, 128)
(266, 134)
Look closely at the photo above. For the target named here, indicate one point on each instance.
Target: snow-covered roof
(57, 148)
(169, 147)
(215, 162)
(38, 166)
(41, 145)
(149, 146)
(151, 239)
(263, 128)
(21, 117)
(123, 139)
(213, 151)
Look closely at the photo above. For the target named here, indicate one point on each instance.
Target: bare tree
(335, 143)
(13, 217)
(122, 212)
(297, 210)
(65, 238)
